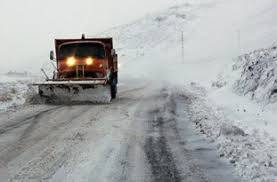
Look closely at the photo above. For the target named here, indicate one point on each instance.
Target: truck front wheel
(113, 91)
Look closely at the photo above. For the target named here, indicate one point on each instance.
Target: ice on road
(144, 135)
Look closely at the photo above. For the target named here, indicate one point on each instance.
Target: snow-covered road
(145, 135)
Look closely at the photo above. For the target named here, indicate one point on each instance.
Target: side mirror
(52, 55)
(112, 52)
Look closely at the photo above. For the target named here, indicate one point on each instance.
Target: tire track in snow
(8, 127)
(43, 167)
(161, 160)
(125, 165)
(164, 147)
(157, 150)
(26, 139)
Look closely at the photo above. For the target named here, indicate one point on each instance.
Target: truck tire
(113, 91)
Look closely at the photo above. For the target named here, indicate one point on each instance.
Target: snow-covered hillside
(258, 77)
(240, 130)
(215, 32)
(243, 97)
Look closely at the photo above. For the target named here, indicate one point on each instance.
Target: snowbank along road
(144, 135)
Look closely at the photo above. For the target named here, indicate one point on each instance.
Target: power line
(182, 46)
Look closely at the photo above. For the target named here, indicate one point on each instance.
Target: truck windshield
(82, 50)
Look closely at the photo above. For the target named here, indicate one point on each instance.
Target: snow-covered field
(227, 74)
(14, 90)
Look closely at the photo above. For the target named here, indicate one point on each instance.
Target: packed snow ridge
(252, 152)
(258, 75)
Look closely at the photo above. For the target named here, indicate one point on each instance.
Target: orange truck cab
(92, 58)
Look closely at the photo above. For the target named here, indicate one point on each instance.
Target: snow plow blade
(92, 91)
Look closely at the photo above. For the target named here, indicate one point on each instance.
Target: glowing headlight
(71, 61)
(89, 61)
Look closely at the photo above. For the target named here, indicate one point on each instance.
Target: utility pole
(239, 41)
(182, 46)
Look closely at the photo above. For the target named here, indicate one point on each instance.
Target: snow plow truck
(86, 70)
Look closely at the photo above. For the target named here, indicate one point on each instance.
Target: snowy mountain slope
(215, 31)
(145, 45)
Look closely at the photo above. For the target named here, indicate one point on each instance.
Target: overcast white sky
(28, 27)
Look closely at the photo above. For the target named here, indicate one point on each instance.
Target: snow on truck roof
(107, 42)
(81, 42)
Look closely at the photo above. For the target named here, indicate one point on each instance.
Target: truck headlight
(89, 61)
(71, 61)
